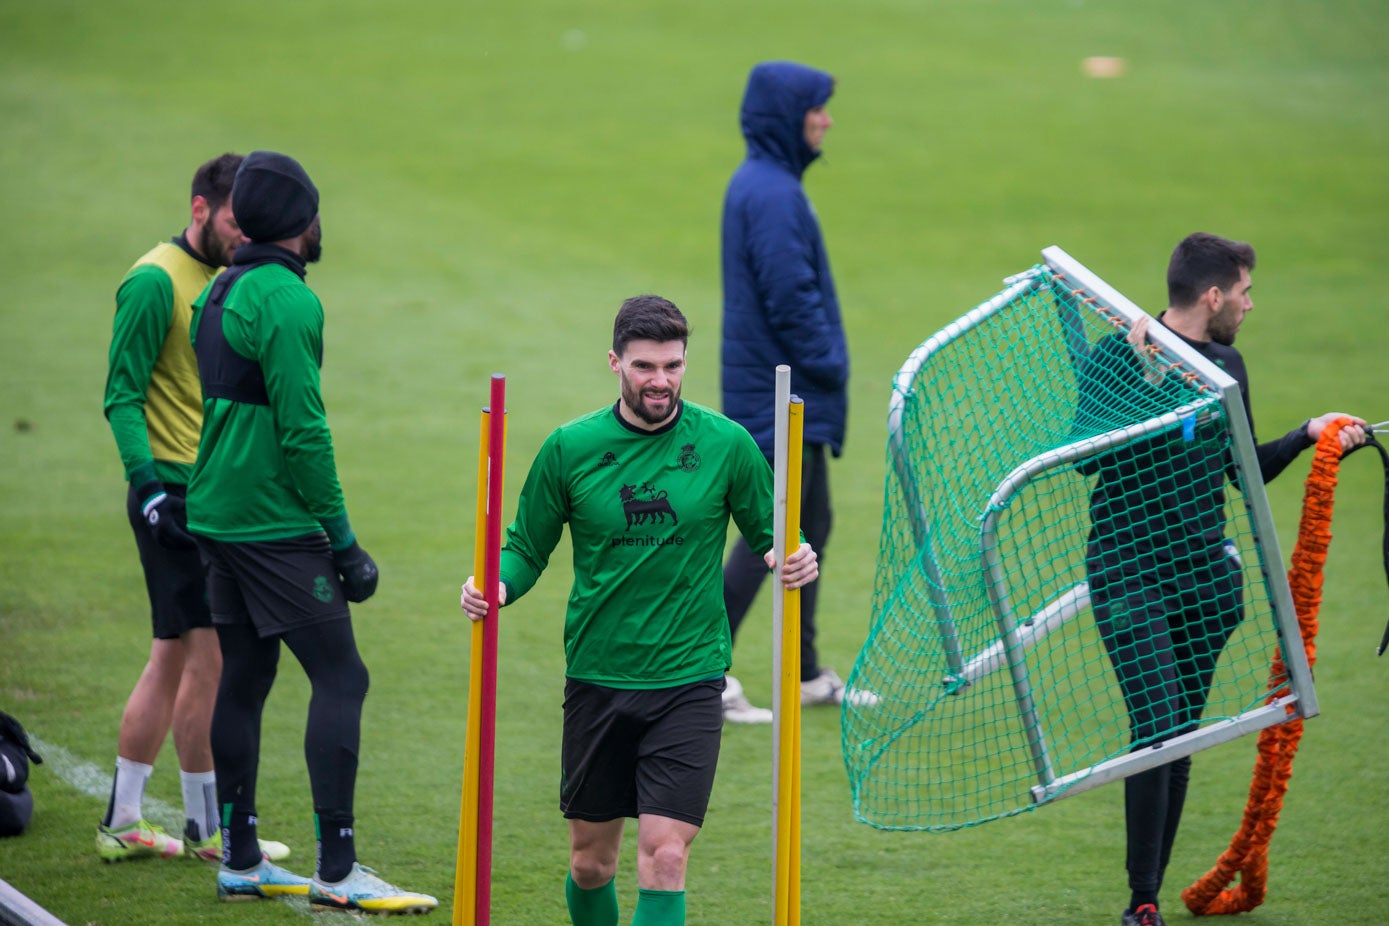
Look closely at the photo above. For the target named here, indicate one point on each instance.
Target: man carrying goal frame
(1165, 582)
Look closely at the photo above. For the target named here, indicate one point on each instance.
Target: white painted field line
(96, 782)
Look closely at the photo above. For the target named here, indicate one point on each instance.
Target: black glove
(164, 512)
(357, 571)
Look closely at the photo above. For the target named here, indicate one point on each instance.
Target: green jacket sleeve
(291, 350)
(144, 311)
(541, 513)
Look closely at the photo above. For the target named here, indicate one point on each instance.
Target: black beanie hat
(272, 197)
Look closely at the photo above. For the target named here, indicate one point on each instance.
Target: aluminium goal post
(995, 678)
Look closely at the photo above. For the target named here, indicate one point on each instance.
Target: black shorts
(173, 578)
(274, 585)
(633, 751)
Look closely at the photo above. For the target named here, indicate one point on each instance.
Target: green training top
(648, 518)
(267, 472)
(153, 400)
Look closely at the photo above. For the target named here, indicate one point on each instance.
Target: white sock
(199, 804)
(128, 791)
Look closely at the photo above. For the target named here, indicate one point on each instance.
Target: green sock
(659, 908)
(597, 907)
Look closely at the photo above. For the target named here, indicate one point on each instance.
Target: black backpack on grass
(16, 801)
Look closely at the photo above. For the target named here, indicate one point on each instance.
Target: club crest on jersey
(646, 504)
(609, 459)
(688, 459)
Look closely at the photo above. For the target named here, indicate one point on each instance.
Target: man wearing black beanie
(282, 560)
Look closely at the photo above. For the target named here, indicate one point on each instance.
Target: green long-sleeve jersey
(153, 402)
(265, 468)
(648, 518)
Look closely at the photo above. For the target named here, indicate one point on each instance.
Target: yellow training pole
(792, 616)
(787, 658)
(465, 876)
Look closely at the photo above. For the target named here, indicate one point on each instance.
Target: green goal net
(1077, 577)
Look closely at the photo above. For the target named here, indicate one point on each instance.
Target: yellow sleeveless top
(174, 401)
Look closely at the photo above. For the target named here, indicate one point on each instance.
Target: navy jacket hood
(779, 300)
(778, 95)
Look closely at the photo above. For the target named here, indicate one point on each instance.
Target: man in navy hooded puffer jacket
(779, 306)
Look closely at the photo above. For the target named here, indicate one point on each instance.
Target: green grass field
(495, 179)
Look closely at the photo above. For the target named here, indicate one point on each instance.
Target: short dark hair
(649, 318)
(213, 180)
(1202, 260)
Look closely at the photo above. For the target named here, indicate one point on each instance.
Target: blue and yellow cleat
(265, 880)
(362, 891)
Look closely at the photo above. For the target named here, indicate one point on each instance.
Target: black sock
(240, 847)
(1138, 899)
(337, 850)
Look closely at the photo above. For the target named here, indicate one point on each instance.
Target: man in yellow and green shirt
(154, 406)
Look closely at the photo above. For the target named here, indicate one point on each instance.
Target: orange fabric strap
(1247, 856)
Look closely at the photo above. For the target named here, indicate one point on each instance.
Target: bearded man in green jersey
(154, 406)
(282, 560)
(647, 487)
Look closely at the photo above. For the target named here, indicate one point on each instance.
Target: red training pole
(487, 745)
